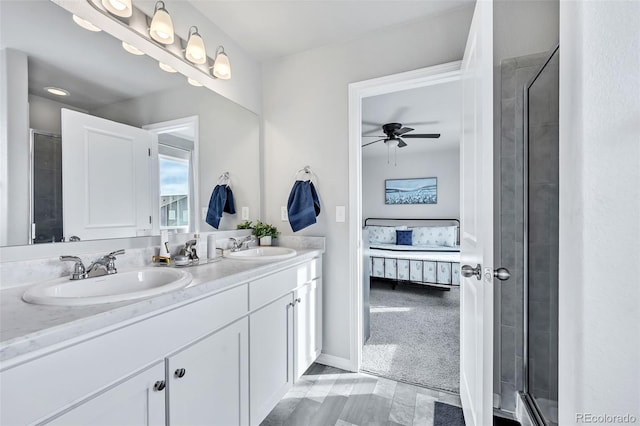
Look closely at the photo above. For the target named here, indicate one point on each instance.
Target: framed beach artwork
(411, 191)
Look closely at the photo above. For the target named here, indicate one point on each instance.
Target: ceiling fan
(393, 131)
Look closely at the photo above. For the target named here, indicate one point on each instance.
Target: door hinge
(149, 152)
(149, 219)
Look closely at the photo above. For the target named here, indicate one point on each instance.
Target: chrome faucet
(238, 244)
(190, 250)
(104, 265)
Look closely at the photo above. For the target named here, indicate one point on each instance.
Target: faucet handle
(79, 271)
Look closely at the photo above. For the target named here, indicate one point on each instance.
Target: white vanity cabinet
(219, 359)
(138, 400)
(286, 333)
(208, 382)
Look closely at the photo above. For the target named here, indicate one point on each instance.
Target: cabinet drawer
(65, 377)
(269, 288)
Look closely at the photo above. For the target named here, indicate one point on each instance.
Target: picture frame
(411, 191)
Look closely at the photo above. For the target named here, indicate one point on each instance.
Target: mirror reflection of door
(46, 187)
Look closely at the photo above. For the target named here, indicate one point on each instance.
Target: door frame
(358, 91)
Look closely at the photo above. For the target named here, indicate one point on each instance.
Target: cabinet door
(213, 387)
(135, 401)
(307, 326)
(271, 356)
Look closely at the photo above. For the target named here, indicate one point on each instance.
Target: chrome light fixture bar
(143, 25)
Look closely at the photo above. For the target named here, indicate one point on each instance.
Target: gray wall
(443, 164)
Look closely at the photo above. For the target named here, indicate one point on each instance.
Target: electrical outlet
(340, 214)
(245, 213)
(284, 216)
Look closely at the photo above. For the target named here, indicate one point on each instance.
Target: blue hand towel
(221, 201)
(303, 206)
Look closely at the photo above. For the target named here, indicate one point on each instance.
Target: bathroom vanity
(223, 351)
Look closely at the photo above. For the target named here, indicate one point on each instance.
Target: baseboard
(496, 400)
(335, 361)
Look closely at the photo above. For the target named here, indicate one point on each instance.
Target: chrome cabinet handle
(298, 300)
(159, 385)
(469, 271)
(180, 372)
(502, 274)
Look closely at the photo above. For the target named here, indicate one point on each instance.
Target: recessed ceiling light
(85, 24)
(194, 82)
(165, 67)
(132, 49)
(57, 91)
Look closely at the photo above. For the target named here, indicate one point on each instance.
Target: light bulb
(193, 82)
(120, 8)
(195, 51)
(85, 24)
(221, 66)
(165, 67)
(132, 49)
(161, 25)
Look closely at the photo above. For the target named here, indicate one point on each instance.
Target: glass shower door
(541, 240)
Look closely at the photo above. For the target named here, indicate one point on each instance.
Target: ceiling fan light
(85, 24)
(195, 52)
(121, 8)
(392, 142)
(221, 65)
(161, 25)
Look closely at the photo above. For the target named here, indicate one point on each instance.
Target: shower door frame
(530, 404)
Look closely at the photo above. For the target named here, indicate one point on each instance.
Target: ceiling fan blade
(372, 142)
(403, 131)
(424, 135)
(401, 143)
(371, 123)
(421, 123)
(374, 136)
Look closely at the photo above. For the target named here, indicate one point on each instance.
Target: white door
(105, 178)
(208, 382)
(137, 401)
(476, 212)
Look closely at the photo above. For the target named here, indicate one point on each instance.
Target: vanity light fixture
(195, 51)
(85, 24)
(161, 25)
(132, 49)
(193, 82)
(165, 67)
(121, 8)
(221, 66)
(57, 91)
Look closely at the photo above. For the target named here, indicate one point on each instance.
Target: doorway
(358, 93)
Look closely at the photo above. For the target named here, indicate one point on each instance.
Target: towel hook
(307, 172)
(224, 179)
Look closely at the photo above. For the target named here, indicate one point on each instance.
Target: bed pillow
(434, 235)
(382, 234)
(404, 237)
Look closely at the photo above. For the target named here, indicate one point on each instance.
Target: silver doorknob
(469, 271)
(502, 274)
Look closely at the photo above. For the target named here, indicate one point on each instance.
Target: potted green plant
(247, 224)
(265, 233)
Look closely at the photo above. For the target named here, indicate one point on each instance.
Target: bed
(420, 251)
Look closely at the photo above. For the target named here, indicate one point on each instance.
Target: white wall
(599, 205)
(44, 114)
(305, 121)
(443, 164)
(14, 142)
(228, 141)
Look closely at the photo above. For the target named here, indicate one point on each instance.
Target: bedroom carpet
(415, 335)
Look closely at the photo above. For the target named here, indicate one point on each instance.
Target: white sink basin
(262, 253)
(107, 288)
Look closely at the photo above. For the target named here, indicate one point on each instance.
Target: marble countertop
(27, 328)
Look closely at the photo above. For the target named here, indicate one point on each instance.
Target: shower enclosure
(540, 266)
(46, 187)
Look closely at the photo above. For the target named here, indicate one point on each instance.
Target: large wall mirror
(60, 190)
